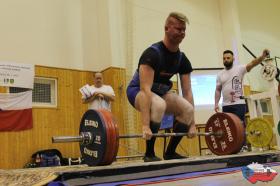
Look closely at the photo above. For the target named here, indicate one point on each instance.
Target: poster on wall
(16, 75)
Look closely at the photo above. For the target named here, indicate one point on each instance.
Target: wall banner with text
(16, 75)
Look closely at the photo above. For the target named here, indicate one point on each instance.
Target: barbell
(87, 137)
(99, 136)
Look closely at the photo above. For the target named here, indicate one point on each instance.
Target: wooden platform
(122, 170)
(140, 169)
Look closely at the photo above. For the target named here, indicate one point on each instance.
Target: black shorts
(239, 110)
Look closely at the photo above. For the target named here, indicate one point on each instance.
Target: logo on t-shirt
(236, 87)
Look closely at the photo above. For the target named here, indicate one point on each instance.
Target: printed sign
(16, 75)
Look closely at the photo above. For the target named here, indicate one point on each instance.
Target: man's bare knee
(157, 109)
(189, 110)
(186, 114)
(139, 100)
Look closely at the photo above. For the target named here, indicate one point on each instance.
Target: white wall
(43, 32)
(260, 28)
(96, 41)
(75, 34)
(202, 44)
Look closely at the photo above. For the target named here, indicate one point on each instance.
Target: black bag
(47, 158)
(49, 161)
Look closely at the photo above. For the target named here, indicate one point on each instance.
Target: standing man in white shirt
(229, 84)
(102, 95)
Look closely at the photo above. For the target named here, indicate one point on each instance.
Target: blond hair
(178, 16)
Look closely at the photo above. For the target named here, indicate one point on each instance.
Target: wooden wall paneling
(141, 142)
(4, 149)
(3, 89)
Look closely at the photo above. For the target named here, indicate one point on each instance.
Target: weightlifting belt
(160, 89)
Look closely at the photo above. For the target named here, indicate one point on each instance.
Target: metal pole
(250, 52)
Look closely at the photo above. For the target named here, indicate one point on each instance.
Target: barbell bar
(217, 134)
(86, 137)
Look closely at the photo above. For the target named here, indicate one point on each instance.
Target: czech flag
(16, 111)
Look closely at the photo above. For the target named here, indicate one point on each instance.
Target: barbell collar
(84, 138)
(67, 139)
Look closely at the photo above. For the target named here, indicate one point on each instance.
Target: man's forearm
(108, 97)
(217, 97)
(90, 99)
(258, 60)
(189, 97)
(146, 108)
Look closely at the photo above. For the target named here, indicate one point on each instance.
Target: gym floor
(204, 171)
(219, 177)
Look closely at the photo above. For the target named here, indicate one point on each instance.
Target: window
(204, 86)
(44, 93)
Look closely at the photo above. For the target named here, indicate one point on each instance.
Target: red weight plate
(233, 134)
(241, 136)
(112, 137)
